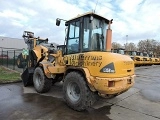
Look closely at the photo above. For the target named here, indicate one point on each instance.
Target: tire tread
(88, 99)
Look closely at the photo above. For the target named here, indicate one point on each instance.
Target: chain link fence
(8, 58)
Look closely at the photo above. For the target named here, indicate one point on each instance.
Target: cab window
(73, 38)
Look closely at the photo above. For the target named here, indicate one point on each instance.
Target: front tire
(19, 61)
(41, 83)
(77, 94)
(27, 78)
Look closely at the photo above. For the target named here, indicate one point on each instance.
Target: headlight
(108, 68)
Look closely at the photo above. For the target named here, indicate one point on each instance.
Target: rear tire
(41, 83)
(77, 94)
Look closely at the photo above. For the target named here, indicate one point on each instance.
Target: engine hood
(103, 64)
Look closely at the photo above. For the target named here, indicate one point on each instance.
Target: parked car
(3, 56)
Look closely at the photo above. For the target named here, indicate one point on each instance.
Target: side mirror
(58, 21)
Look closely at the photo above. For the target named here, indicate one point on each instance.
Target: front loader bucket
(27, 77)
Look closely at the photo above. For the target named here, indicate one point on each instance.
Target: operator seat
(74, 48)
(95, 42)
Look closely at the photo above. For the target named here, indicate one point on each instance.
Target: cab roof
(89, 14)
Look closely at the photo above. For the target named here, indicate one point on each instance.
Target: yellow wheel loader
(146, 59)
(138, 59)
(85, 63)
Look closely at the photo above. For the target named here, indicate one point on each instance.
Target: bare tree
(130, 47)
(158, 49)
(149, 46)
(116, 45)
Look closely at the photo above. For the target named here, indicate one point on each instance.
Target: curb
(10, 69)
(10, 82)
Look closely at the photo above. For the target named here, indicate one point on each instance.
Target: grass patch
(7, 75)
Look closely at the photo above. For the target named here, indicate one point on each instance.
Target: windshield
(94, 35)
(121, 52)
(133, 53)
(115, 51)
(145, 54)
(141, 54)
(41, 41)
(150, 55)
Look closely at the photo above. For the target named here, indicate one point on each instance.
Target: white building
(11, 44)
(15, 43)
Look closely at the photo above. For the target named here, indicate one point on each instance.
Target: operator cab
(86, 33)
(118, 50)
(62, 48)
(151, 55)
(145, 54)
(41, 41)
(139, 53)
(132, 53)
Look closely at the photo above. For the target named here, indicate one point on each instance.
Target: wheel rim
(73, 91)
(38, 80)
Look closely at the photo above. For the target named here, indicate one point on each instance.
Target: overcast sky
(139, 19)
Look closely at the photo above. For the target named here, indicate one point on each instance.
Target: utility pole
(126, 42)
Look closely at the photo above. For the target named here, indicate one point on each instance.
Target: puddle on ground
(36, 106)
(151, 94)
(149, 89)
